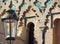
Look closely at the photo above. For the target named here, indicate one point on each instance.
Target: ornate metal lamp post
(10, 25)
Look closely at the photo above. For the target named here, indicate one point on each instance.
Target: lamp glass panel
(10, 26)
(14, 28)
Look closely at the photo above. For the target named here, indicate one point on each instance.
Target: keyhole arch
(31, 26)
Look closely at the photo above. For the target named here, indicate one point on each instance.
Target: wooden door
(56, 32)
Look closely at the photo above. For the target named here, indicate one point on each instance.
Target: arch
(30, 26)
(56, 20)
(56, 31)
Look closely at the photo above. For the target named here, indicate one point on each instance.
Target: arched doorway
(30, 26)
(56, 31)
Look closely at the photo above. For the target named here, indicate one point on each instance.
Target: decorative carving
(35, 2)
(53, 6)
(22, 4)
(3, 12)
(46, 22)
(24, 13)
(38, 4)
(37, 15)
(5, 1)
(10, 5)
(47, 3)
(51, 14)
(33, 10)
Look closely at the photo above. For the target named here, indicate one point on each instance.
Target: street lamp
(10, 24)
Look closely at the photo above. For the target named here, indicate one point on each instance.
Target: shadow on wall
(31, 39)
(27, 35)
(1, 27)
(35, 42)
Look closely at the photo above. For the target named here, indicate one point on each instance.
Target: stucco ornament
(43, 6)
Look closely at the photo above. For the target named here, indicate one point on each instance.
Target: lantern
(10, 24)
